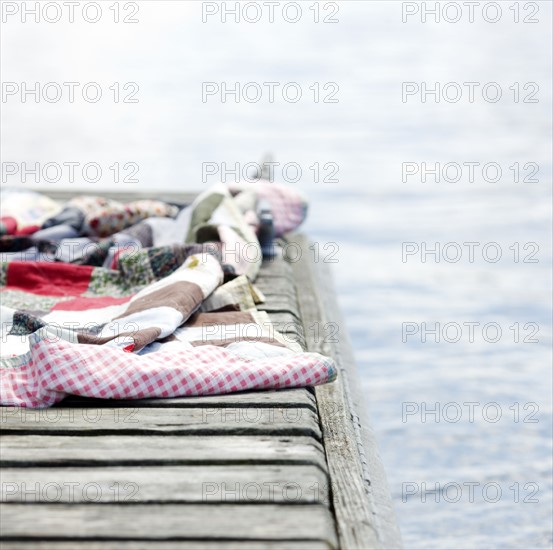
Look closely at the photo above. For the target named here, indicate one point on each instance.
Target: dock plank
(259, 484)
(141, 421)
(40, 450)
(172, 545)
(167, 522)
(289, 398)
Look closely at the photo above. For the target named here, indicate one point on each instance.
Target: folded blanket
(147, 301)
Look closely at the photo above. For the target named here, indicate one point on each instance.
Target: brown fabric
(220, 318)
(229, 307)
(141, 337)
(183, 296)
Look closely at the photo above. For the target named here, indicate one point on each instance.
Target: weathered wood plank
(40, 450)
(276, 281)
(285, 318)
(275, 293)
(259, 484)
(277, 287)
(167, 521)
(172, 545)
(276, 267)
(364, 513)
(289, 398)
(277, 304)
(140, 421)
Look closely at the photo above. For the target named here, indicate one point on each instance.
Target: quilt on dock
(144, 299)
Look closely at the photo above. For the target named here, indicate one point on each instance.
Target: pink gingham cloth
(288, 205)
(55, 368)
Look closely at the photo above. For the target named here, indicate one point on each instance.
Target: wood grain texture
(276, 281)
(289, 398)
(167, 521)
(172, 545)
(276, 267)
(189, 457)
(278, 304)
(177, 421)
(257, 484)
(40, 450)
(362, 504)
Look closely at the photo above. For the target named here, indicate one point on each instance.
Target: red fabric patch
(82, 304)
(10, 224)
(49, 279)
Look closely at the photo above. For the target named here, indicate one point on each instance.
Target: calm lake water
(368, 208)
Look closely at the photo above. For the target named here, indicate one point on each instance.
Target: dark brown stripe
(183, 296)
(220, 318)
(228, 307)
(141, 337)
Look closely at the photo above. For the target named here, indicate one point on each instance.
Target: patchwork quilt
(145, 299)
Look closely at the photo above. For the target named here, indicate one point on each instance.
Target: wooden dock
(291, 469)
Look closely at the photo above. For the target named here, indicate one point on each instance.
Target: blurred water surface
(369, 213)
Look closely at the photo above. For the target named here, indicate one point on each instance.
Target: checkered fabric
(54, 368)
